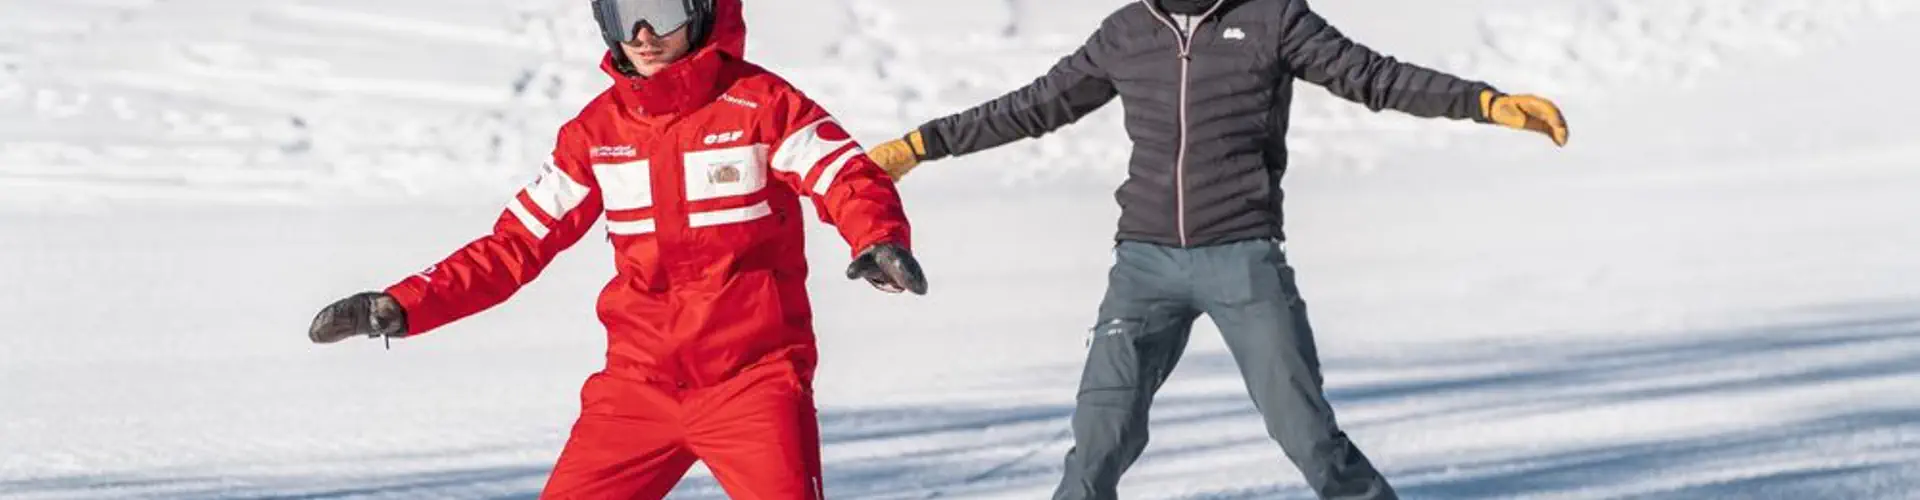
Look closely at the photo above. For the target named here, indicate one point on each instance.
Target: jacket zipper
(1180, 158)
(1185, 39)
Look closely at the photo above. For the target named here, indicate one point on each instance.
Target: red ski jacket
(699, 171)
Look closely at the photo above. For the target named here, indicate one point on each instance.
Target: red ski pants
(758, 433)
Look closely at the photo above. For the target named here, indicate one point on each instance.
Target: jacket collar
(1206, 8)
(683, 86)
(1186, 7)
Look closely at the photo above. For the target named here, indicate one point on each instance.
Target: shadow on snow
(950, 452)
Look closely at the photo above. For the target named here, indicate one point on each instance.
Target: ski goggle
(620, 19)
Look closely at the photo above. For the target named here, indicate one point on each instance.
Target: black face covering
(1187, 7)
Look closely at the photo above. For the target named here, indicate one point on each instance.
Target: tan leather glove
(1525, 112)
(899, 156)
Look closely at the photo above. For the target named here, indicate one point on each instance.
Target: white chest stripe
(730, 216)
(722, 173)
(625, 186)
(800, 152)
(631, 228)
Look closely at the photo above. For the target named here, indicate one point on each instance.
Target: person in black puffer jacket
(1206, 86)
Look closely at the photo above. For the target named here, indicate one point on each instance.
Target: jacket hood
(692, 81)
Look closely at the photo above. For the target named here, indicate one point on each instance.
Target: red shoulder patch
(832, 131)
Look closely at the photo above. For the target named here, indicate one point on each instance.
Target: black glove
(889, 268)
(371, 314)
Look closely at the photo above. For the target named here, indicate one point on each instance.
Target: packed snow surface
(1713, 292)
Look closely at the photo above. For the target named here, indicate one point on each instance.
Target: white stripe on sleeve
(556, 193)
(833, 170)
(527, 219)
(804, 149)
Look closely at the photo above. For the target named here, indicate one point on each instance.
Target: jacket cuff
(936, 145)
(412, 300)
(1479, 107)
(897, 238)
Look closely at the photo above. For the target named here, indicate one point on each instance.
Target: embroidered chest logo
(725, 137)
(615, 152)
(1234, 34)
(724, 174)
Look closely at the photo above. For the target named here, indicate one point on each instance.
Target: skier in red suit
(698, 160)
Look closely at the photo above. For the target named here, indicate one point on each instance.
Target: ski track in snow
(1720, 320)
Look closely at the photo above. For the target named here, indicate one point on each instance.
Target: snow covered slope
(1710, 294)
(285, 101)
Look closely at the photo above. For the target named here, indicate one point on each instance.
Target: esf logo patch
(724, 137)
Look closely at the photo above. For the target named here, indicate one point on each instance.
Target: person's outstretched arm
(547, 217)
(819, 159)
(1075, 87)
(1316, 52)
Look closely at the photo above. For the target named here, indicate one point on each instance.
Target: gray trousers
(1154, 294)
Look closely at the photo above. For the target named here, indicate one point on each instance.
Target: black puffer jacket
(1208, 115)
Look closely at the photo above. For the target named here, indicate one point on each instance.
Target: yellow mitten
(899, 156)
(1525, 112)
